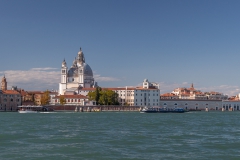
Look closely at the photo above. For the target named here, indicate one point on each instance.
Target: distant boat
(162, 110)
(32, 109)
(76, 109)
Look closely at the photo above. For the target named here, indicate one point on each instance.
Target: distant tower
(80, 63)
(192, 86)
(63, 76)
(4, 84)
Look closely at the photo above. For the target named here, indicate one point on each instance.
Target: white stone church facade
(79, 75)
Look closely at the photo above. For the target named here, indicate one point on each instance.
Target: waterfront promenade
(93, 108)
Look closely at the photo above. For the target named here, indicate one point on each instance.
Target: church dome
(73, 71)
(87, 70)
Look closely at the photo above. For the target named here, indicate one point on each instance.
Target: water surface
(120, 135)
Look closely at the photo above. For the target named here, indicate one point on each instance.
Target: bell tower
(81, 61)
(4, 84)
(63, 84)
(64, 72)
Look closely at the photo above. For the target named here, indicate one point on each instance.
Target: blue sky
(172, 42)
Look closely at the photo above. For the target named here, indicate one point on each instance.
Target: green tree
(104, 97)
(45, 98)
(62, 100)
(95, 95)
(112, 97)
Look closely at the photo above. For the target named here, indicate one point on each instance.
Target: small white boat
(29, 109)
(76, 109)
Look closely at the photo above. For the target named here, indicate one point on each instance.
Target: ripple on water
(122, 135)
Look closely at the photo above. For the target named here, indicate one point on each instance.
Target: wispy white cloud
(99, 78)
(33, 79)
(225, 89)
(40, 78)
(49, 78)
(43, 69)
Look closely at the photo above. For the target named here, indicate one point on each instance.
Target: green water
(120, 135)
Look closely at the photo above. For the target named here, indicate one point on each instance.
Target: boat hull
(162, 110)
(27, 111)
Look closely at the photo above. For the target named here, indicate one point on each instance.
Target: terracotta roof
(168, 94)
(10, 92)
(35, 92)
(23, 93)
(122, 88)
(72, 96)
(185, 94)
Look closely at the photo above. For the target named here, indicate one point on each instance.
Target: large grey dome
(73, 71)
(87, 70)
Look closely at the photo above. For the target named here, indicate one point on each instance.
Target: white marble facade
(79, 75)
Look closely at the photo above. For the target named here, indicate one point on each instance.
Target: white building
(146, 95)
(192, 104)
(76, 100)
(79, 76)
(192, 93)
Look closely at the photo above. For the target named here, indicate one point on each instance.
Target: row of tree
(103, 97)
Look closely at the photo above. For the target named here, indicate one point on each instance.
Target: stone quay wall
(93, 108)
